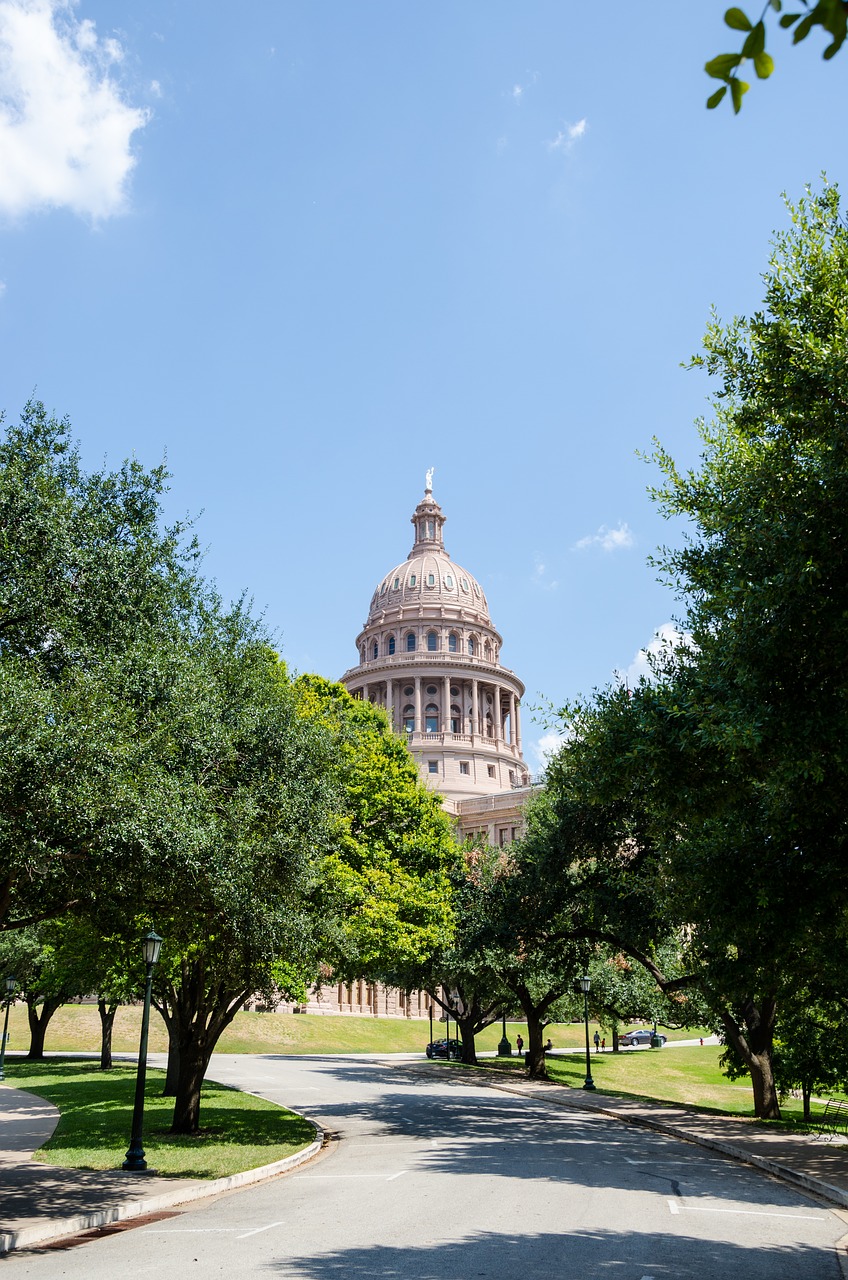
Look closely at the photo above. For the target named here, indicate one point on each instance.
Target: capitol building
(430, 655)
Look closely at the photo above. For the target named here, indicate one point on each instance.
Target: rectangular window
(503, 836)
(463, 766)
(491, 769)
(432, 766)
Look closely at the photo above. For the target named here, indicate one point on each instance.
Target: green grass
(239, 1131)
(689, 1076)
(76, 1028)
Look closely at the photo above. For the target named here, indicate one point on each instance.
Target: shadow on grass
(96, 1118)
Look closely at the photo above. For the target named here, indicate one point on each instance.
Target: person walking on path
(603, 1044)
(519, 1043)
(597, 1040)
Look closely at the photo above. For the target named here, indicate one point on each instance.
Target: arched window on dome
(453, 642)
(413, 580)
(396, 584)
(362, 654)
(410, 642)
(456, 720)
(472, 646)
(431, 579)
(432, 642)
(449, 581)
(409, 719)
(390, 647)
(431, 718)
(488, 652)
(375, 652)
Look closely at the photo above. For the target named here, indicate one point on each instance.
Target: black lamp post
(10, 991)
(504, 1048)
(431, 1026)
(585, 987)
(135, 1161)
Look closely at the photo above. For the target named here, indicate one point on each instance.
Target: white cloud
(547, 746)
(665, 638)
(65, 129)
(607, 539)
(155, 88)
(568, 135)
(540, 576)
(517, 93)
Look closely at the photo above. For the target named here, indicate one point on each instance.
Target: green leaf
(721, 67)
(803, 29)
(736, 19)
(737, 89)
(755, 42)
(788, 19)
(764, 65)
(715, 98)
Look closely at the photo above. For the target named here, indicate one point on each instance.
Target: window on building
(464, 766)
(448, 581)
(515, 833)
(431, 528)
(491, 769)
(455, 720)
(471, 645)
(432, 766)
(453, 643)
(376, 650)
(395, 584)
(413, 581)
(503, 836)
(431, 690)
(512, 777)
(409, 719)
(408, 691)
(432, 641)
(454, 692)
(464, 584)
(410, 643)
(431, 579)
(391, 645)
(431, 718)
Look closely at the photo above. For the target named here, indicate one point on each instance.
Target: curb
(57, 1229)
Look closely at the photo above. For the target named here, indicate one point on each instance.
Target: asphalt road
(429, 1176)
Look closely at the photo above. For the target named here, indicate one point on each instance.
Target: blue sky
(309, 250)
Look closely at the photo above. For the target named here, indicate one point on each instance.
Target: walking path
(40, 1202)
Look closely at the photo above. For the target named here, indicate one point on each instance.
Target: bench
(834, 1119)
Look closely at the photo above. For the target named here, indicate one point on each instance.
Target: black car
(445, 1049)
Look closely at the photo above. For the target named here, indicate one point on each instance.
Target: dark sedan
(445, 1049)
(639, 1037)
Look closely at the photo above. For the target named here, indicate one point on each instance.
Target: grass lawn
(76, 1028)
(689, 1076)
(239, 1131)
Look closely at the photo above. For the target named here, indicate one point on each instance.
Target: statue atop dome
(428, 484)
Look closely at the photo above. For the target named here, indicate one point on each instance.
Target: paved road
(432, 1177)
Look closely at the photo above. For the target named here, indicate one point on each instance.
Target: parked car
(445, 1049)
(642, 1036)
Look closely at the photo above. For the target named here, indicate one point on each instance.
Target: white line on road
(675, 1207)
(258, 1230)
(396, 1175)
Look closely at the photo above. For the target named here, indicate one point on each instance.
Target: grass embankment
(689, 1076)
(239, 1131)
(75, 1028)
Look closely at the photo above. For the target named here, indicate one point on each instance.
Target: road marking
(675, 1207)
(396, 1175)
(258, 1230)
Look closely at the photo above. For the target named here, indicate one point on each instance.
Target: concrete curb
(57, 1229)
(803, 1180)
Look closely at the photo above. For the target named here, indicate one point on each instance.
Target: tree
(89, 583)
(830, 15)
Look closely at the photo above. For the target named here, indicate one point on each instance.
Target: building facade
(429, 654)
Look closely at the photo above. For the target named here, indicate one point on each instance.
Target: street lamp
(10, 985)
(135, 1161)
(585, 987)
(504, 1048)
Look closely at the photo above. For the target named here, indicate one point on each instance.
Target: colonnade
(486, 708)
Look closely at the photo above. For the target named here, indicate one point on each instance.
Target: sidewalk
(41, 1202)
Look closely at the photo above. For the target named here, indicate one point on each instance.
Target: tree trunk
(193, 1062)
(467, 1029)
(755, 1050)
(806, 1091)
(38, 1018)
(172, 1072)
(615, 1044)
(107, 1021)
(536, 1068)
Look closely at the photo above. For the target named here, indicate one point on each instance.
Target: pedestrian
(519, 1043)
(548, 1045)
(597, 1040)
(604, 1045)
(702, 1042)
